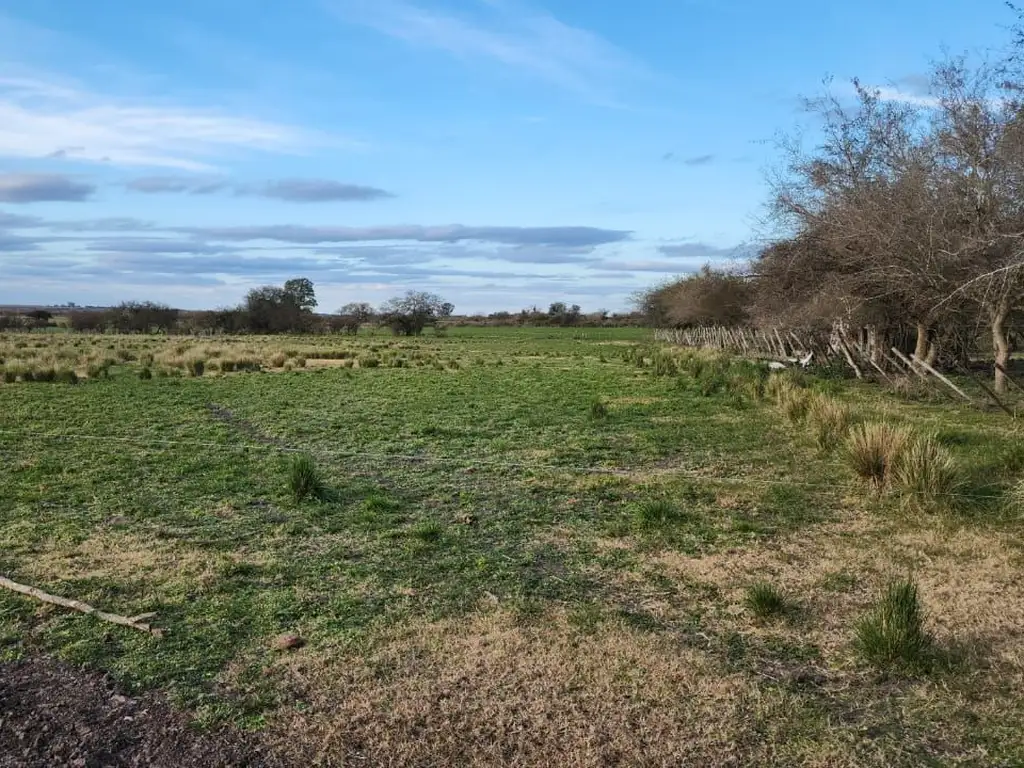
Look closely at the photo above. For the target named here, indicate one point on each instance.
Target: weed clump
(874, 449)
(926, 475)
(657, 513)
(196, 367)
(304, 479)
(829, 421)
(765, 600)
(598, 410)
(892, 637)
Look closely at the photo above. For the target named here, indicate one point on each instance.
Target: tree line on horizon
(291, 308)
(905, 220)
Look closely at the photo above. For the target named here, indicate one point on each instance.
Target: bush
(97, 370)
(892, 635)
(926, 475)
(598, 410)
(304, 480)
(45, 374)
(277, 360)
(10, 375)
(873, 450)
(66, 376)
(829, 421)
(145, 373)
(196, 366)
(369, 362)
(765, 600)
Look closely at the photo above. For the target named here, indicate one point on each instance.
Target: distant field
(534, 547)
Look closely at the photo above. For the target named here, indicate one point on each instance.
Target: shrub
(926, 475)
(765, 600)
(277, 360)
(873, 450)
(367, 361)
(10, 375)
(45, 374)
(145, 373)
(892, 635)
(598, 410)
(654, 513)
(196, 366)
(304, 480)
(66, 376)
(829, 421)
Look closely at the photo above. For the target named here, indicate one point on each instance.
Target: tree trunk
(1000, 346)
(921, 350)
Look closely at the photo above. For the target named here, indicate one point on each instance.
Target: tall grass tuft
(304, 479)
(873, 450)
(892, 635)
(196, 366)
(657, 513)
(765, 600)
(926, 476)
(598, 410)
(795, 403)
(829, 421)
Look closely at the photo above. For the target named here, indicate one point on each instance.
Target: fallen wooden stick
(135, 622)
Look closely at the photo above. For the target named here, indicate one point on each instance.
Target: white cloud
(530, 41)
(889, 93)
(41, 117)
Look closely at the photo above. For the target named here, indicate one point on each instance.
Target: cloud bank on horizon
(499, 153)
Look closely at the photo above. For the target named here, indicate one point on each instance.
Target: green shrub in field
(369, 361)
(304, 479)
(874, 449)
(10, 375)
(829, 421)
(66, 376)
(598, 410)
(926, 476)
(45, 374)
(196, 366)
(892, 637)
(765, 600)
(145, 373)
(97, 370)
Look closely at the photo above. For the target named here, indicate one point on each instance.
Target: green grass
(765, 600)
(892, 636)
(477, 473)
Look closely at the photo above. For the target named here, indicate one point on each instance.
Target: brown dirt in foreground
(53, 715)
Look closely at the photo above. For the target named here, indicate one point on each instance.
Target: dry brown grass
(492, 691)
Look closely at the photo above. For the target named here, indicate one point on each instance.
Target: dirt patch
(53, 715)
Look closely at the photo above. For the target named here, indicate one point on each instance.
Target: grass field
(531, 547)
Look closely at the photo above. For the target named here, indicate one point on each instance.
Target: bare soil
(53, 715)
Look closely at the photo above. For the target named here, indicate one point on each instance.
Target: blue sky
(496, 152)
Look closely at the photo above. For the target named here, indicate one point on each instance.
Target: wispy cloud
(42, 187)
(529, 41)
(894, 93)
(308, 235)
(289, 190)
(42, 117)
